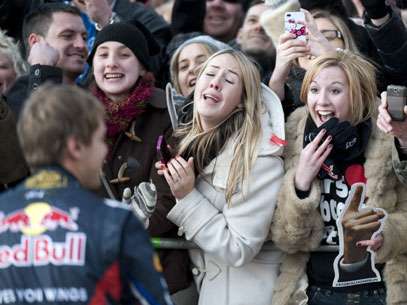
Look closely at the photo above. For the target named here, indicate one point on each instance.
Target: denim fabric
(321, 296)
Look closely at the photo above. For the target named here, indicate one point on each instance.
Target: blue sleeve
(141, 267)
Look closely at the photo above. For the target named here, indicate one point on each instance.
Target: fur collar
(378, 166)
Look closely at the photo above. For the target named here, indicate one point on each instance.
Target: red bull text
(42, 250)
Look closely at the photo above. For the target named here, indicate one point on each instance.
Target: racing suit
(60, 244)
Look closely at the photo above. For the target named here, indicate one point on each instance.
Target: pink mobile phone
(164, 154)
(294, 22)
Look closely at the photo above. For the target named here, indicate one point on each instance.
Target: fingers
(359, 221)
(175, 169)
(374, 243)
(356, 198)
(179, 168)
(285, 37)
(323, 147)
(383, 125)
(383, 113)
(368, 227)
(169, 178)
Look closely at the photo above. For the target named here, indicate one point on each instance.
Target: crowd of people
(273, 166)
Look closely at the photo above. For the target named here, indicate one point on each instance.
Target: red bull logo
(36, 248)
(42, 250)
(37, 218)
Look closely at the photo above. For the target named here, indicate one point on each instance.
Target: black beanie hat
(134, 36)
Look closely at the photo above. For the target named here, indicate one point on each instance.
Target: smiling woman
(136, 116)
(334, 148)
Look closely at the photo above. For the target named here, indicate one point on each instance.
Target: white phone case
(294, 22)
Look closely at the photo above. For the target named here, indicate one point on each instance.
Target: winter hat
(272, 20)
(134, 36)
(214, 44)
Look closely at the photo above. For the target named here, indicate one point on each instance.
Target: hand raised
(317, 42)
(358, 225)
(387, 125)
(41, 53)
(311, 159)
(179, 174)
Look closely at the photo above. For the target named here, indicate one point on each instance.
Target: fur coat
(297, 226)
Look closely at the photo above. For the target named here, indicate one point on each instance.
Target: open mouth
(325, 115)
(113, 75)
(78, 55)
(216, 19)
(212, 98)
(192, 82)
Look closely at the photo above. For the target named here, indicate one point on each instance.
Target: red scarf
(119, 115)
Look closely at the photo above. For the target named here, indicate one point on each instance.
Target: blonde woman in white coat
(226, 178)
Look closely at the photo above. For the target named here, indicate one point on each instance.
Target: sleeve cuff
(191, 213)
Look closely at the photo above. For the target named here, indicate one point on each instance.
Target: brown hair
(51, 115)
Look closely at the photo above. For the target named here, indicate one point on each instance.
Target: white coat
(232, 265)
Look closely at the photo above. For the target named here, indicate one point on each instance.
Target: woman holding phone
(225, 178)
(136, 116)
(334, 152)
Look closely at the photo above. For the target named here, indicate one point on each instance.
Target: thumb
(383, 97)
(355, 197)
(191, 162)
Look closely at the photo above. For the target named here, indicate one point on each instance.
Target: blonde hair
(51, 115)
(243, 125)
(11, 49)
(347, 38)
(174, 67)
(361, 77)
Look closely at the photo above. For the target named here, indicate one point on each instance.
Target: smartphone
(294, 22)
(396, 100)
(164, 153)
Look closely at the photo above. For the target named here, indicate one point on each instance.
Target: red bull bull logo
(36, 248)
(37, 218)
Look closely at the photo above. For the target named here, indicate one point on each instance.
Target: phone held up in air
(294, 22)
(164, 153)
(396, 100)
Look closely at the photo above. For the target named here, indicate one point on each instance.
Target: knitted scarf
(119, 115)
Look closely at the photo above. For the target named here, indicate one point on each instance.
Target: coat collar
(272, 123)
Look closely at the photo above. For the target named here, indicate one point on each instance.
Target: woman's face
(329, 96)
(190, 59)
(116, 69)
(7, 73)
(218, 90)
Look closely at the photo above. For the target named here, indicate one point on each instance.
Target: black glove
(376, 9)
(345, 139)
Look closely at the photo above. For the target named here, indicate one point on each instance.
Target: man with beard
(254, 42)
